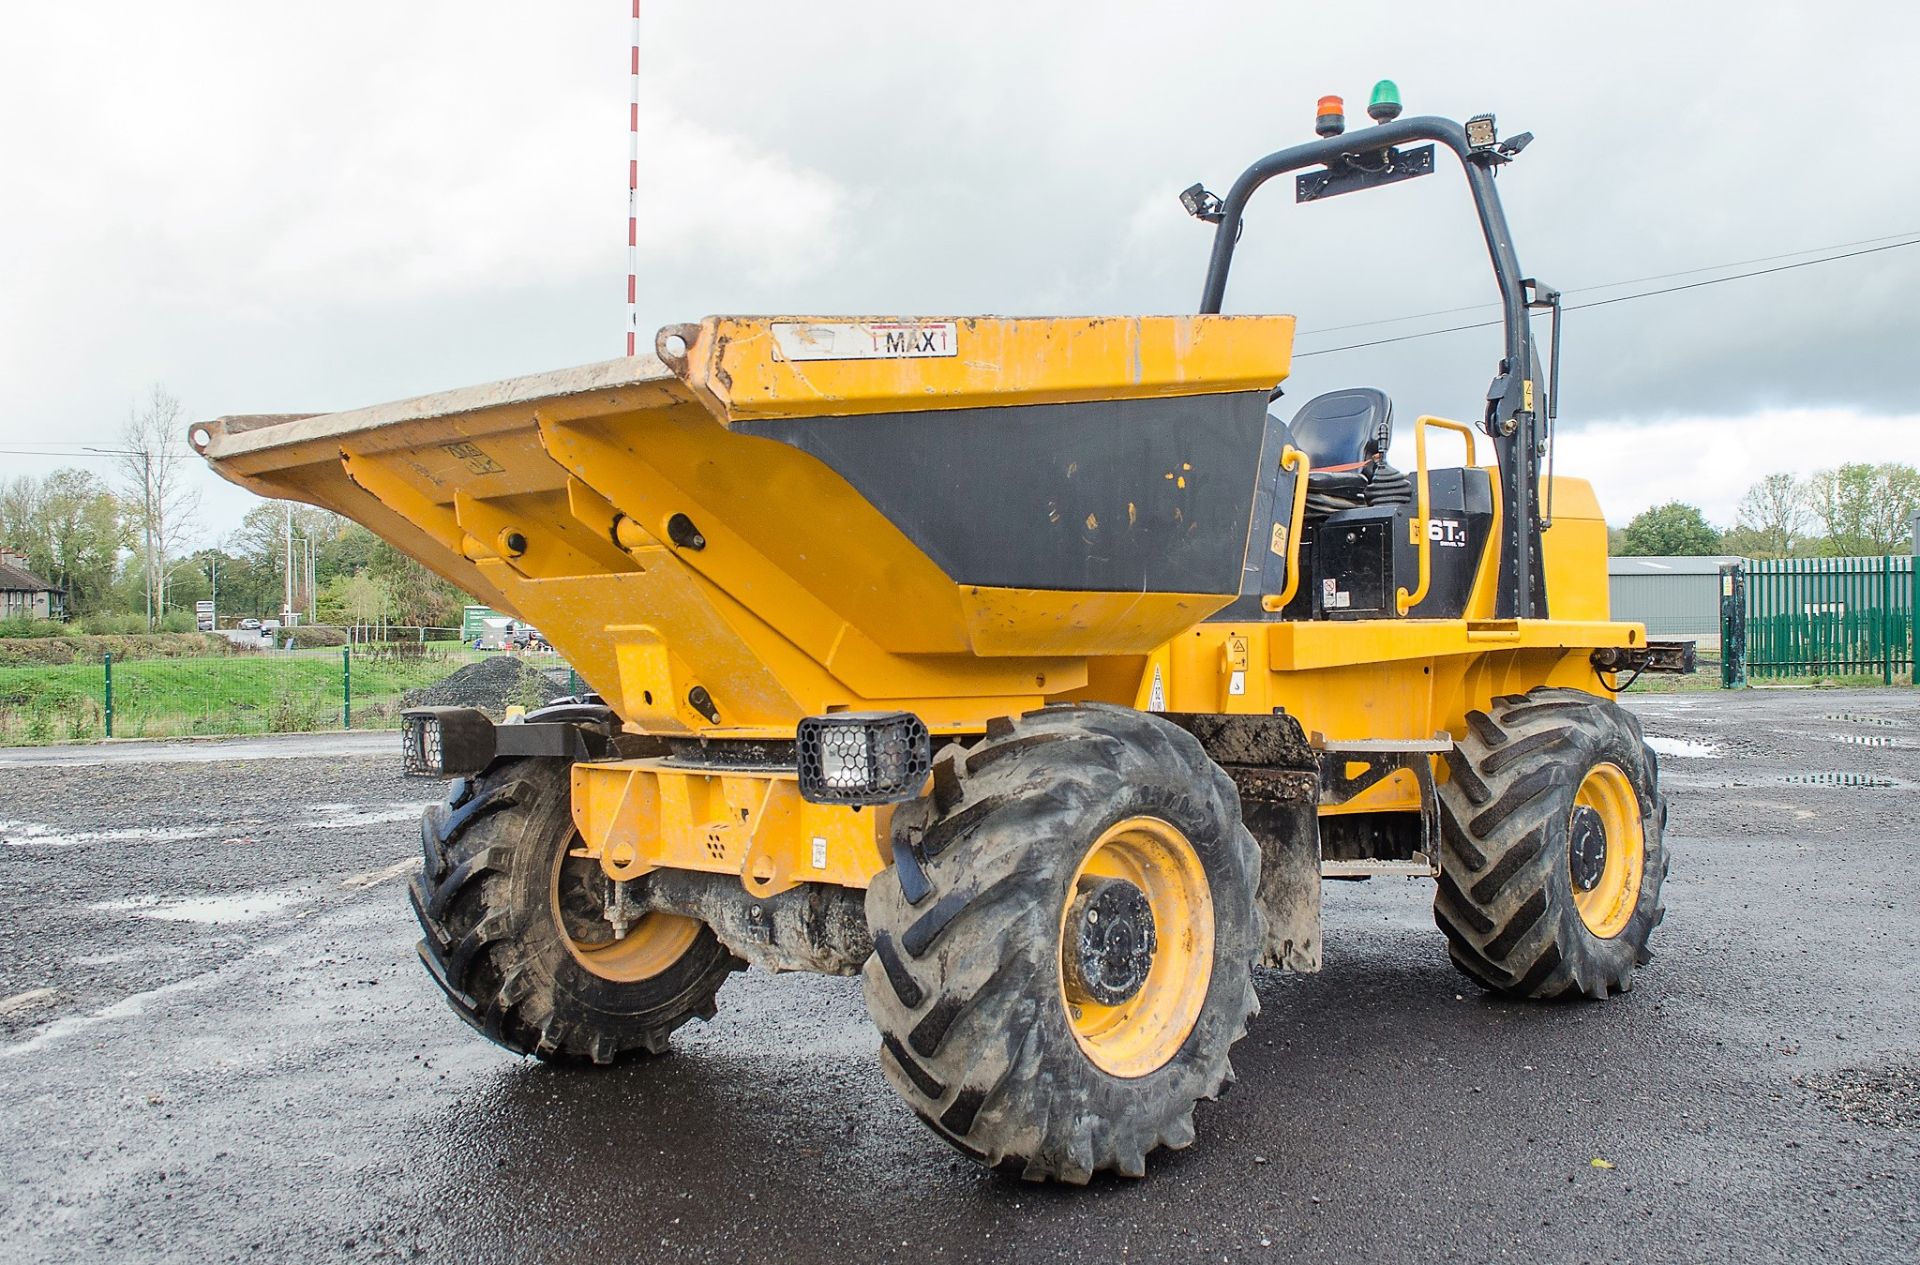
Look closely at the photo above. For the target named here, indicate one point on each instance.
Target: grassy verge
(89, 649)
(229, 694)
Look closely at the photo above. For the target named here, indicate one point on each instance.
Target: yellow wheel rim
(1607, 891)
(1144, 1032)
(652, 944)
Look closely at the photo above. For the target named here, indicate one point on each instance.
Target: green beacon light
(1384, 105)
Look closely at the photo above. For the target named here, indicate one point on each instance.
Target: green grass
(229, 694)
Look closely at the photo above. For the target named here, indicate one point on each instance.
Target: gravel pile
(492, 685)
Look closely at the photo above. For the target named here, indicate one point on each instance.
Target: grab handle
(1289, 458)
(1422, 542)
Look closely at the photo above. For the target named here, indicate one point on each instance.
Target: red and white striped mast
(633, 188)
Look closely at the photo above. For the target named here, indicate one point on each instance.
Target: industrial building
(1672, 596)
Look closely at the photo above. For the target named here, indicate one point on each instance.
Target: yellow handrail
(1289, 458)
(1404, 601)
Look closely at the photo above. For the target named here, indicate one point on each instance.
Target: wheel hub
(606, 930)
(1587, 853)
(1110, 942)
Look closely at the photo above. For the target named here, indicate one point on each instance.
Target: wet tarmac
(216, 1044)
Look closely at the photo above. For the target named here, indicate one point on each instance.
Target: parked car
(250, 624)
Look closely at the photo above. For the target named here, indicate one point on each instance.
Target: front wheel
(518, 933)
(1553, 846)
(1062, 948)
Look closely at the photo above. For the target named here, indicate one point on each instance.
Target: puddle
(1684, 748)
(1857, 719)
(31, 834)
(1865, 780)
(240, 907)
(347, 816)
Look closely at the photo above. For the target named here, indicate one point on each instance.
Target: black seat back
(1344, 428)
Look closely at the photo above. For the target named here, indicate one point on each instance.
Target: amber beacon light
(1330, 118)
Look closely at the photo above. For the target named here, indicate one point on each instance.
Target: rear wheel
(518, 932)
(1553, 849)
(1062, 948)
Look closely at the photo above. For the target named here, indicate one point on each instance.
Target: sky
(278, 208)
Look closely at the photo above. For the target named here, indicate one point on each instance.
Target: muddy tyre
(516, 933)
(1019, 1025)
(1553, 849)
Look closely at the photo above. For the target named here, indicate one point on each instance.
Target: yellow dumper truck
(1037, 670)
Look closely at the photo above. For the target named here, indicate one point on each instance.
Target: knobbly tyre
(1037, 670)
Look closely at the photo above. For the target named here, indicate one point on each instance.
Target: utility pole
(633, 187)
(146, 518)
(286, 605)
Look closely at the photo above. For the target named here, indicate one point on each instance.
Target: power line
(1622, 298)
(61, 452)
(1625, 281)
(89, 445)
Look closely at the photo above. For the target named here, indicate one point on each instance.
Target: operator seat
(1345, 434)
(1343, 430)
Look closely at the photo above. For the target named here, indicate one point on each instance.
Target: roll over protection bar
(1512, 420)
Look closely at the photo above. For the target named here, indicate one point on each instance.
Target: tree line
(1854, 510)
(118, 545)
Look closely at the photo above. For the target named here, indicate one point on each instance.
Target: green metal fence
(358, 687)
(1829, 617)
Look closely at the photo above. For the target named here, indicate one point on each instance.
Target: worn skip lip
(233, 435)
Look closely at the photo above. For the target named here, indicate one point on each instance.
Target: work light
(445, 741)
(862, 757)
(1200, 204)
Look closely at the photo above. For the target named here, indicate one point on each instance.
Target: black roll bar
(1512, 418)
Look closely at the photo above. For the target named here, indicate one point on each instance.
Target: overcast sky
(271, 207)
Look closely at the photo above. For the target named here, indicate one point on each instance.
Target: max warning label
(865, 340)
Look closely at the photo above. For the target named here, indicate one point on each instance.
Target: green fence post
(109, 664)
(346, 687)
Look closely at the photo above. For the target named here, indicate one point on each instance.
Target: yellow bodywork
(554, 498)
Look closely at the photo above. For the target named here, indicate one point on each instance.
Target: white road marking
(364, 914)
(399, 869)
(26, 1001)
(1684, 748)
(126, 1007)
(32, 834)
(346, 816)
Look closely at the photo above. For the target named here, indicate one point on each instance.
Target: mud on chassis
(1036, 670)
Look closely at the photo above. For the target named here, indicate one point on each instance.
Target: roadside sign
(203, 616)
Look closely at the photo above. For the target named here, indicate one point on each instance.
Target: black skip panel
(1149, 495)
